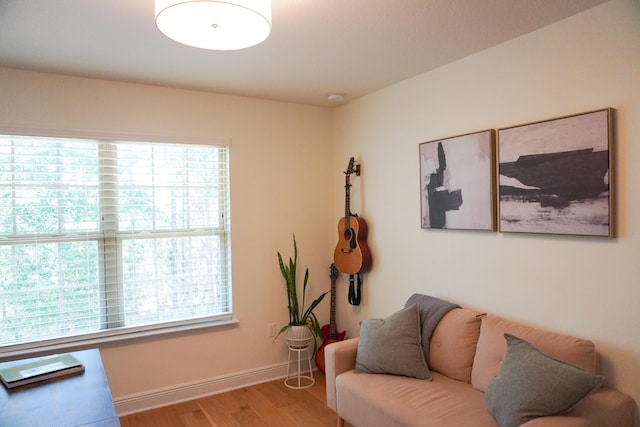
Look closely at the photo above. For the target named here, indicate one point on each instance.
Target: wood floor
(264, 405)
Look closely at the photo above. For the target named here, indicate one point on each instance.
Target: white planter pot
(298, 336)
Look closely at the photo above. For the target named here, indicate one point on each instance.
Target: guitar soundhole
(352, 241)
(350, 235)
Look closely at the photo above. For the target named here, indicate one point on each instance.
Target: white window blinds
(97, 236)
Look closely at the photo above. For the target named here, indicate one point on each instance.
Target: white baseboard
(188, 391)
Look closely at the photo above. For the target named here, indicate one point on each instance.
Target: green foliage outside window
(97, 236)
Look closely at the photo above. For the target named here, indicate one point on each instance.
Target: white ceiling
(316, 46)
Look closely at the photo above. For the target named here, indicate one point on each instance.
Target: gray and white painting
(456, 182)
(554, 176)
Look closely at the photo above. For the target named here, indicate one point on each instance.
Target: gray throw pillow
(532, 384)
(392, 346)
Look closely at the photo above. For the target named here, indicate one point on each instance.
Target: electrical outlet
(271, 330)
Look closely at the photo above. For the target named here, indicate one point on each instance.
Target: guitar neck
(333, 332)
(347, 202)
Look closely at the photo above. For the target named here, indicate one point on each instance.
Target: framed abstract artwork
(457, 188)
(556, 176)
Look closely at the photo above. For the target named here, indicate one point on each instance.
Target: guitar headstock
(333, 272)
(350, 168)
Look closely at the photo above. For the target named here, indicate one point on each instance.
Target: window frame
(121, 334)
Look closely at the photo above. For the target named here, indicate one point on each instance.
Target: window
(97, 237)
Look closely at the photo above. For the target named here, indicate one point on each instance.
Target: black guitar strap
(354, 292)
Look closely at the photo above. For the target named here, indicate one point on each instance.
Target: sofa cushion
(392, 345)
(453, 344)
(492, 348)
(388, 400)
(532, 384)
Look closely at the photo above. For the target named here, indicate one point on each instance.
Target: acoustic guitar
(352, 254)
(329, 332)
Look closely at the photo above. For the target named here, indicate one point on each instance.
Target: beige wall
(581, 286)
(280, 184)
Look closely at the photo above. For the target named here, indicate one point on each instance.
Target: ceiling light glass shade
(216, 25)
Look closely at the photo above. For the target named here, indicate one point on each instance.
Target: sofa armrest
(605, 407)
(339, 357)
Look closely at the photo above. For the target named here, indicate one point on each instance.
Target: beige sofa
(465, 353)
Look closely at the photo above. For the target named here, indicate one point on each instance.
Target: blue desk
(79, 400)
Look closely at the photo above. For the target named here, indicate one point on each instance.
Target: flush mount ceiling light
(216, 25)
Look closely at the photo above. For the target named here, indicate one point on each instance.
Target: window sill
(109, 339)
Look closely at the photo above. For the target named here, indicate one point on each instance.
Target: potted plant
(303, 326)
